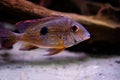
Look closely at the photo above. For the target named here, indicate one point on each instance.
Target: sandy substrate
(32, 65)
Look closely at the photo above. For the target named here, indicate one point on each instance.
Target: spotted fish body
(54, 33)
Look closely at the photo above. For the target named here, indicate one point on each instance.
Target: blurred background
(95, 59)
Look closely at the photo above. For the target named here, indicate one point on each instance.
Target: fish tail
(7, 38)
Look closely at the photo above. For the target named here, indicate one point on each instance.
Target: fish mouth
(87, 36)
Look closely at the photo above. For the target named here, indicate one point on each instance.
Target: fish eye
(74, 28)
(44, 31)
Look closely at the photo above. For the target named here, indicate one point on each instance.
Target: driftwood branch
(33, 9)
(26, 8)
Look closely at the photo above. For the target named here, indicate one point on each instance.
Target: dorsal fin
(23, 25)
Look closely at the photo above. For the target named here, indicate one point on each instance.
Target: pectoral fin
(26, 47)
(54, 51)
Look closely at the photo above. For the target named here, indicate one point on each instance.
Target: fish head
(76, 33)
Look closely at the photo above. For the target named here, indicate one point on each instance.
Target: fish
(54, 33)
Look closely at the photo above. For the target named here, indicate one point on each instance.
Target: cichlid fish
(54, 33)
